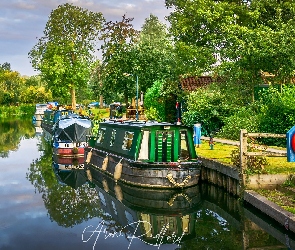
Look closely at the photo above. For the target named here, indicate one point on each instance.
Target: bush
(208, 106)
(245, 118)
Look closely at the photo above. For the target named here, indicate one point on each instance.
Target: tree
(11, 85)
(243, 36)
(155, 53)
(147, 55)
(118, 57)
(67, 49)
(5, 66)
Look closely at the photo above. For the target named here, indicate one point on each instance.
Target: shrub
(245, 118)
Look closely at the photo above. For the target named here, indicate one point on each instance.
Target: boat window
(112, 142)
(100, 136)
(128, 138)
(184, 153)
(144, 147)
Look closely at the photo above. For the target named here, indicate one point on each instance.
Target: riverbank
(219, 163)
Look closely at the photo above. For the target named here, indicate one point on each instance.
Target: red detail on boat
(69, 151)
(293, 142)
(69, 160)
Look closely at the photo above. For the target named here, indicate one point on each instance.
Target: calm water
(45, 206)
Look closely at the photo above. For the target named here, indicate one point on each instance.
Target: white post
(243, 156)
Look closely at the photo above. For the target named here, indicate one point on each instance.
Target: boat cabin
(52, 116)
(145, 141)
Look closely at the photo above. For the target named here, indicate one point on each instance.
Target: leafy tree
(11, 85)
(160, 100)
(155, 54)
(36, 95)
(147, 56)
(5, 66)
(243, 36)
(154, 103)
(35, 81)
(119, 56)
(67, 49)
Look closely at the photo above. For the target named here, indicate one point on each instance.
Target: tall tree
(66, 50)
(243, 36)
(155, 53)
(118, 57)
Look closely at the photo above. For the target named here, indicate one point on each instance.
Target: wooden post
(243, 154)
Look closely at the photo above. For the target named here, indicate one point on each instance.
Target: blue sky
(23, 21)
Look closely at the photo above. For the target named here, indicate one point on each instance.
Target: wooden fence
(244, 147)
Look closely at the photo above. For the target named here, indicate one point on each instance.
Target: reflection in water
(200, 217)
(155, 216)
(69, 170)
(12, 131)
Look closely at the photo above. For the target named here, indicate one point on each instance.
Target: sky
(22, 23)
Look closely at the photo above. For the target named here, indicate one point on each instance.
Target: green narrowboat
(147, 154)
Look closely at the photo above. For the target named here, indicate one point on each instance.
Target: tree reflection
(65, 205)
(12, 132)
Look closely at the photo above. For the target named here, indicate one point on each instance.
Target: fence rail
(244, 147)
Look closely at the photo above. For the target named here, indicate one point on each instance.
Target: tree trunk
(73, 94)
(101, 101)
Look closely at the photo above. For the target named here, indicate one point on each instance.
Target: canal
(45, 205)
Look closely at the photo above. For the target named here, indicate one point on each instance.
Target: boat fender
(118, 170)
(105, 185)
(89, 155)
(105, 163)
(179, 185)
(89, 175)
(75, 150)
(118, 192)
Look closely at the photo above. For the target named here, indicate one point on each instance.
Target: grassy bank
(222, 153)
(276, 165)
(17, 111)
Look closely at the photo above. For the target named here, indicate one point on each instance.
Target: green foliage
(278, 110)
(36, 95)
(209, 106)
(244, 118)
(255, 164)
(65, 52)
(152, 114)
(154, 102)
(290, 182)
(17, 111)
(11, 85)
(119, 55)
(244, 36)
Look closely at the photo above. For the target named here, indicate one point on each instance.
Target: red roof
(194, 82)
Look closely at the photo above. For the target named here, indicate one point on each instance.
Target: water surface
(45, 206)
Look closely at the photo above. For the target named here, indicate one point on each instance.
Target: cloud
(22, 21)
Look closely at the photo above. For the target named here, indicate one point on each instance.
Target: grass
(285, 201)
(222, 153)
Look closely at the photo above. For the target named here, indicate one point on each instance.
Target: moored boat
(67, 130)
(39, 112)
(147, 154)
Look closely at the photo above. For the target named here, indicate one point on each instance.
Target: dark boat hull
(147, 199)
(151, 175)
(68, 132)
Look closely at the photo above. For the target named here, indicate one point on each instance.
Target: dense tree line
(234, 40)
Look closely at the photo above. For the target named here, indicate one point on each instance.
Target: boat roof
(41, 105)
(137, 124)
